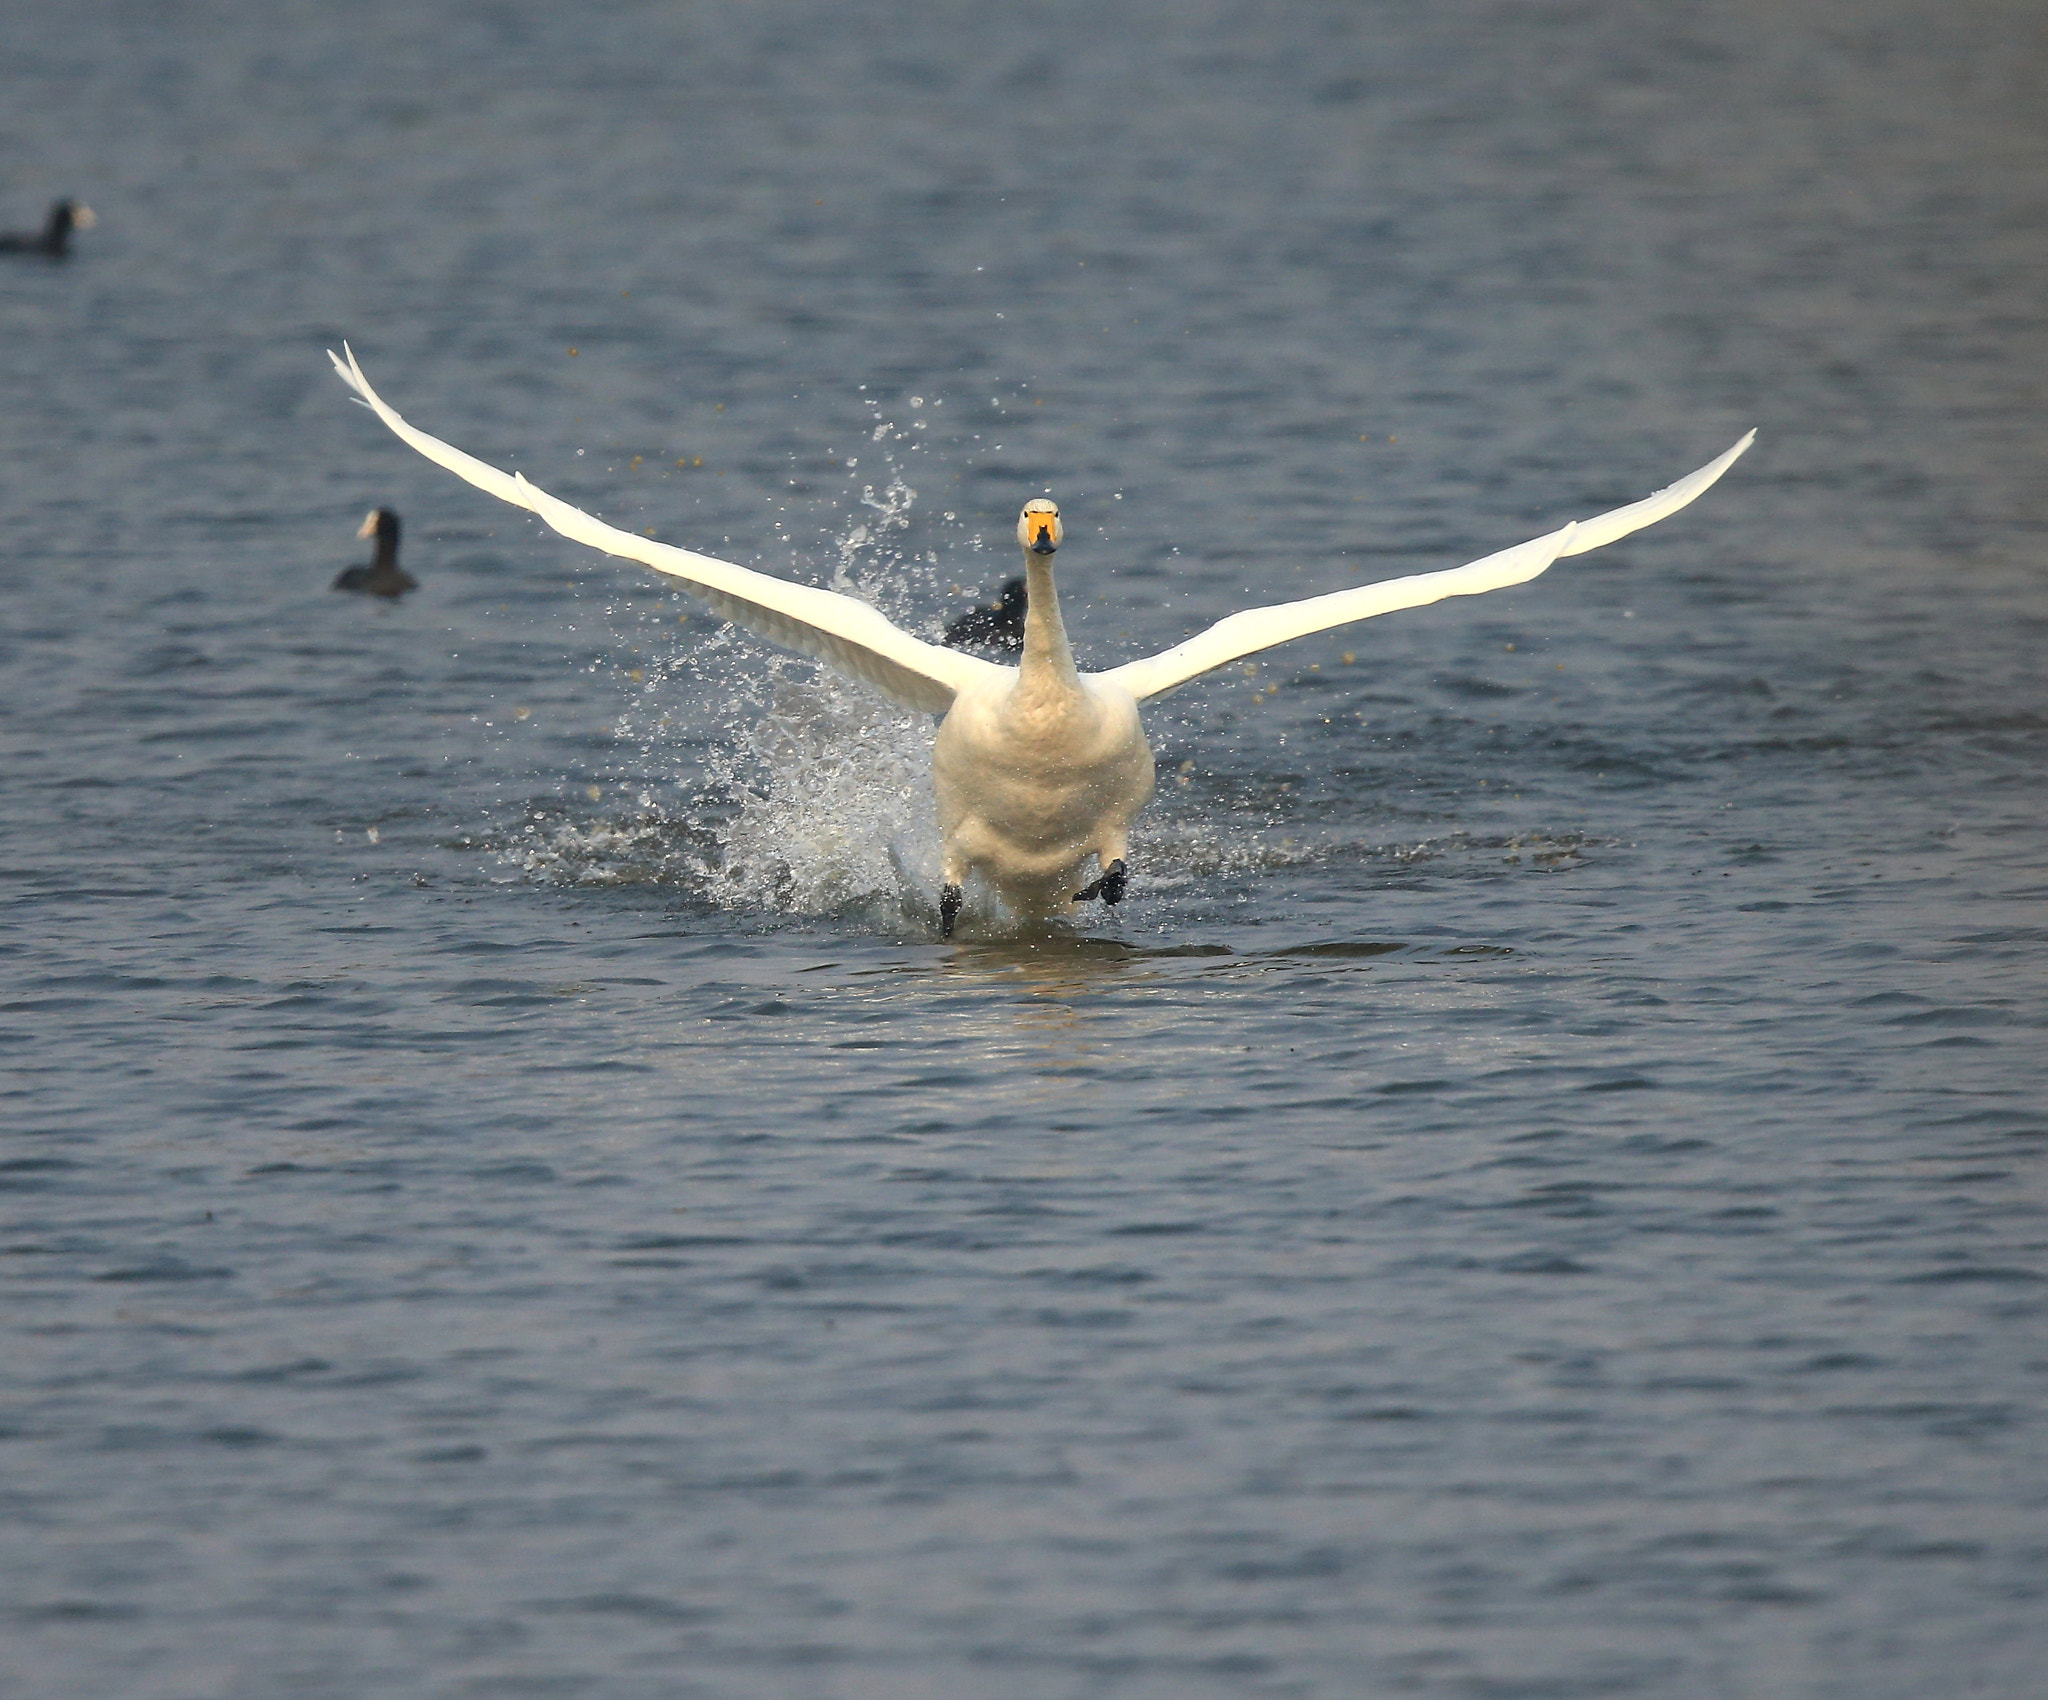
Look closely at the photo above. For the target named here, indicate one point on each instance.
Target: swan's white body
(1037, 767)
(1040, 767)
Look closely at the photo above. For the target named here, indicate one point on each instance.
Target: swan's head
(1038, 527)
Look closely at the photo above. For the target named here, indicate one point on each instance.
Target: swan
(1037, 768)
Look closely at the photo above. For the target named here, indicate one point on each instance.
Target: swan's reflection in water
(1059, 973)
(1064, 980)
(1053, 964)
(1064, 1025)
(1069, 968)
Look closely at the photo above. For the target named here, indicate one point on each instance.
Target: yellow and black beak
(1038, 528)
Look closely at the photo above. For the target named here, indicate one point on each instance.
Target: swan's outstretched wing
(1260, 628)
(840, 631)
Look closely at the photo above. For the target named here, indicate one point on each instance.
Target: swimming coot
(383, 576)
(53, 241)
(997, 625)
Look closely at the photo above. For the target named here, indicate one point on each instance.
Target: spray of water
(831, 805)
(808, 794)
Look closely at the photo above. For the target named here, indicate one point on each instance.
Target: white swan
(1037, 767)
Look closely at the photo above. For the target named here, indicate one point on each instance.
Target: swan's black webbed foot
(1109, 887)
(1114, 878)
(949, 906)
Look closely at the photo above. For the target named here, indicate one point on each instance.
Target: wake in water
(815, 799)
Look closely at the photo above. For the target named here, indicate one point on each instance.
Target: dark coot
(383, 576)
(997, 625)
(53, 241)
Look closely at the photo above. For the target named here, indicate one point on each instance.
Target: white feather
(1254, 629)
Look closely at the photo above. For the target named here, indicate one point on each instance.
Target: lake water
(1538, 1193)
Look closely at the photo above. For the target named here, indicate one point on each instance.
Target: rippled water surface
(1538, 1193)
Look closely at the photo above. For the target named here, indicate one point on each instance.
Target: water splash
(806, 794)
(832, 805)
(647, 847)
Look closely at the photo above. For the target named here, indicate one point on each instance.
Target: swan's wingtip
(350, 372)
(1730, 455)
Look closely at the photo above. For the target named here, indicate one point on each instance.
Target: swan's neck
(1047, 668)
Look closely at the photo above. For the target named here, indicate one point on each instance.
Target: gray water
(1537, 1193)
